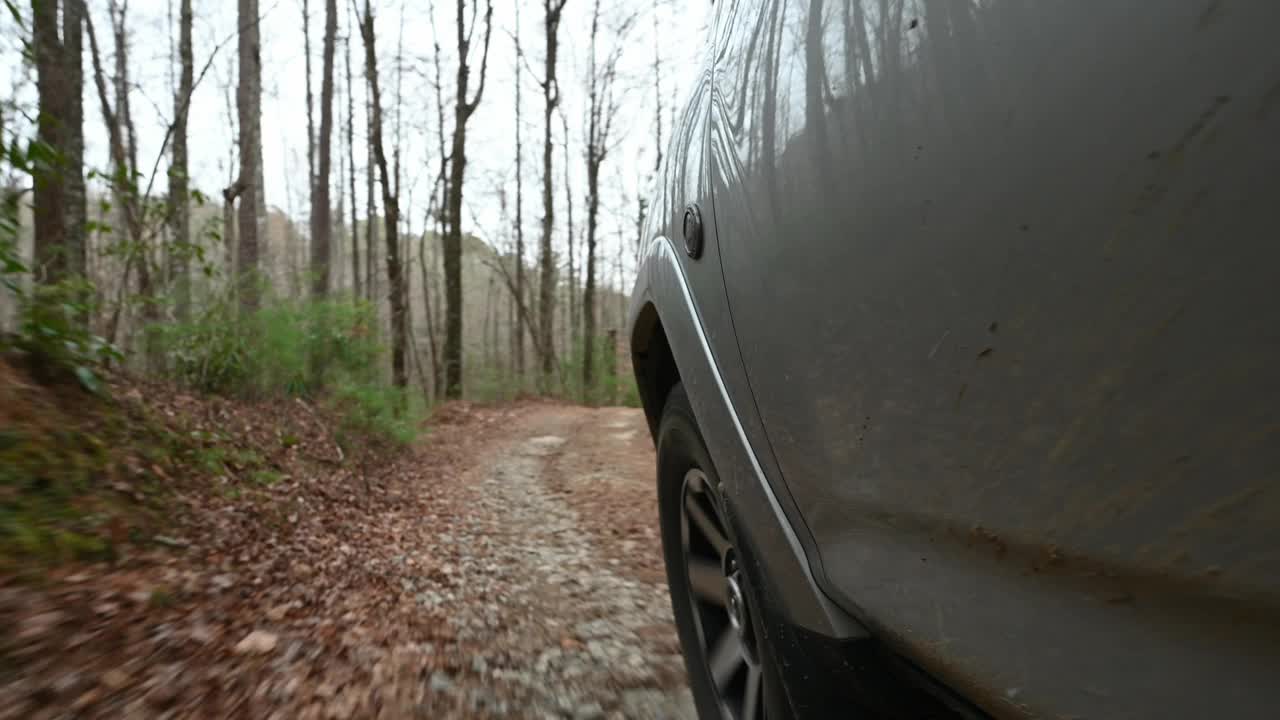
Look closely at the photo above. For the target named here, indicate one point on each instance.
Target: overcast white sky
(679, 29)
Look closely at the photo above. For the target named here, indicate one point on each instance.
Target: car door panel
(687, 182)
(696, 324)
(1001, 276)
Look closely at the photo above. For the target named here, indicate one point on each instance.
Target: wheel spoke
(725, 658)
(707, 581)
(751, 694)
(710, 530)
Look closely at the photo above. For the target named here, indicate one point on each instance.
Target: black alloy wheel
(709, 590)
(721, 610)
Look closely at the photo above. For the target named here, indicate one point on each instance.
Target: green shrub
(375, 409)
(291, 348)
(210, 353)
(329, 349)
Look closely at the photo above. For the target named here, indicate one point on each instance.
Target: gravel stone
(441, 682)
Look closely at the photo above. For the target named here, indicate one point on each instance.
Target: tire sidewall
(680, 449)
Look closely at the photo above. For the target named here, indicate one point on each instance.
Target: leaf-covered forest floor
(164, 554)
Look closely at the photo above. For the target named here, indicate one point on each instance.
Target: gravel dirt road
(562, 590)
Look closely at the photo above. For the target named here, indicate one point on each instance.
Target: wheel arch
(653, 363)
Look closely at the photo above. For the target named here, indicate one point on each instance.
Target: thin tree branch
(484, 58)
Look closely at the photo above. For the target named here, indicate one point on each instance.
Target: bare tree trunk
(233, 188)
(815, 113)
(496, 341)
(602, 108)
(311, 122)
(119, 221)
(441, 207)
(642, 209)
(399, 106)
(436, 370)
(179, 203)
(76, 216)
(657, 94)
(485, 351)
(642, 213)
(76, 219)
(571, 328)
(551, 98)
(50, 188)
(622, 281)
(441, 226)
(513, 324)
(405, 256)
(611, 364)
(321, 223)
(518, 329)
(371, 205)
(229, 195)
(589, 287)
(59, 213)
(768, 118)
(439, 215)
(391, 215)
(437, 298)
(593, 213)
(289, 256)
(249, 105)
(356, 284)
(462, 112)
(417, 358)
(129, 193)
(339, 250)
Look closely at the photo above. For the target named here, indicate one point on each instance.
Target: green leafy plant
(52, 332)
(328, 350)
(53, 329)
(612, 385)
(374, 409)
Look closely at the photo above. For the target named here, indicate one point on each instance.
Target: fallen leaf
(200, 633)
(86, 699)
(39, 624)
(114, 679)
(258, 642)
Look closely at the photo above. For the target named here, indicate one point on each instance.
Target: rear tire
(728, 665)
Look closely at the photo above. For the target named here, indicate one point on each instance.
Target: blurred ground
(508, 565)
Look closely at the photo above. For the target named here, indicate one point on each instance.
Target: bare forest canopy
(393, 199)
